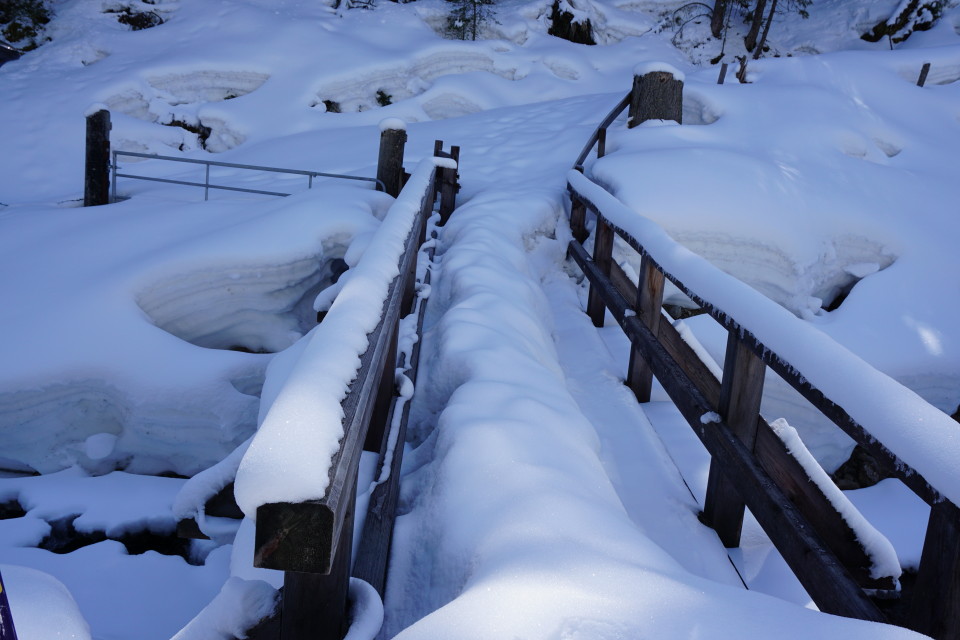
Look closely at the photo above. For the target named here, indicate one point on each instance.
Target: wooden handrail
(809, 532)
(600, 131)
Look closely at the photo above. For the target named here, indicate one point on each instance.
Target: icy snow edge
(288, 460)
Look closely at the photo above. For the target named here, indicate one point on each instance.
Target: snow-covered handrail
(298, 476)
(821, 369)
(915, 441)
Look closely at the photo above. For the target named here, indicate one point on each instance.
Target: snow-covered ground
(539, 500)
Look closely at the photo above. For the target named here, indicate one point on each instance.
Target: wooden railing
(751, 465)
(312, 541)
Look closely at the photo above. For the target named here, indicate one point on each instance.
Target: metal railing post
(206, 184)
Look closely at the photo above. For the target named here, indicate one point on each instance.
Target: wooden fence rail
(751, 465)
(312, 541)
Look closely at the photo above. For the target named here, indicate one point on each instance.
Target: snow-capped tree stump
(393, 137)
(657, 94)
(96, 184)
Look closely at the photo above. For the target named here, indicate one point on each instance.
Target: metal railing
(207, 185)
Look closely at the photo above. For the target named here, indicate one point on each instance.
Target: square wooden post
(96, 183)
(740, 393)
(602, 257)
(649, 302)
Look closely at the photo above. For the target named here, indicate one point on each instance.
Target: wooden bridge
(752, 466)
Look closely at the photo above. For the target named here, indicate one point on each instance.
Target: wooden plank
(656, 96)
(740, 393)
(602, 257)
(922, 80)
(96, 183)
(818, 570)
(934, 604)
(647, 305)
(373, 554)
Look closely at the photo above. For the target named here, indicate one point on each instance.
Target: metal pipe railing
(207, 185)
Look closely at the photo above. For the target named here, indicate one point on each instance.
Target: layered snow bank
(119, 324)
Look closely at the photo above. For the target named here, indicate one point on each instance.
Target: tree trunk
(766, 31)
(717, 18)
(755, 23)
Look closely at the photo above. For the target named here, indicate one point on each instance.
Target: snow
(44, 607)
(392, 124)
(883, 557)
(662, 67)
(155, 335)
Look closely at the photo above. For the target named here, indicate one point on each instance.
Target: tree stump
(657, 95)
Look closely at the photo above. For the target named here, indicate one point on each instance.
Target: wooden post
(315, 604)
(390, 162)
(648, 304)
(934, 605)
(96, 184)
(657, 95)
(723, 73)
(578, 219)
(449, 187)
(602, 257)
(922, 80)
(740, 394)
(601, 142)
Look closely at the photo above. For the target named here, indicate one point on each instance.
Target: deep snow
(534, 486)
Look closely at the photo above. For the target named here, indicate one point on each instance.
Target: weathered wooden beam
(96, 183)
(373, 554)
(390, 160)
(602, 257)
(740, 393)
(315, 605)
(934, 604)
(657, 95)
(647, 305)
